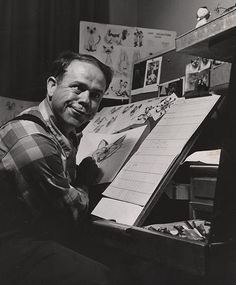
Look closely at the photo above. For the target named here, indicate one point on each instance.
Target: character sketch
(105, 150)
(146, 114)
(138, 38)
(108, 52)
(98, 128)
(162, 107)
(99, 120)
(92, 39)
(112, 120)
(112, 37)
(115, 109)
(135, 109)
(10, 105)
(127, 108)
(123, 63)
(122, 90)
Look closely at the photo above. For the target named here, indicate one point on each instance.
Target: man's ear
(51, 86)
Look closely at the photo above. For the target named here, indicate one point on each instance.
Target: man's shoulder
(26, 124)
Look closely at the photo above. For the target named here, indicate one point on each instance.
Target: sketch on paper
(110, 151)
(105, 149)
(118, 118)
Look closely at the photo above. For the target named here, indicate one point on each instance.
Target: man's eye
(96, 95)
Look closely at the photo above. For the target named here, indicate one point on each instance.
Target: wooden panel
(216, 39)
(175, 252)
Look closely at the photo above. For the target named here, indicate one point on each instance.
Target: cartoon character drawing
(112, 120)
(105, 150)
(97, 128)
(108, 51)
(146, 114)
(162, 107)
(135, 109)
(121, 91)
(92, 39)
(10, 105)
(115, 109)
(99, 120)
(123, 64)
(116, 38)
(138, 38)
(127, 108)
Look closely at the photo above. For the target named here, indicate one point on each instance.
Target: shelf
(215, 40)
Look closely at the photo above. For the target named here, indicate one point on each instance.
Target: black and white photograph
(117, 142)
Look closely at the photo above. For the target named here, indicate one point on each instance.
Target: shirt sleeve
(42, 180)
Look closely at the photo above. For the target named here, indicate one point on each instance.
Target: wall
(123, 12)
(176, 15)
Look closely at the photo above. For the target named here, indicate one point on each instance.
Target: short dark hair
(59, 66)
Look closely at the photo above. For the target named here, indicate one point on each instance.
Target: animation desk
(216, 40)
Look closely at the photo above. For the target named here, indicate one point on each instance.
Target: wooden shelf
(215, 40)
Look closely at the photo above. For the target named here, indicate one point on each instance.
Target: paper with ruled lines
(139, 178)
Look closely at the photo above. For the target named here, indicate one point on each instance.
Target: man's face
(76, 98)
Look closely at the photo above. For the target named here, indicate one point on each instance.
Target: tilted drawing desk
(216, 40)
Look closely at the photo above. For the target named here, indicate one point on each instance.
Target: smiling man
(43, 195)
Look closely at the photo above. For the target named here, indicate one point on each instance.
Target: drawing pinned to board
(9, 108)
(92, 39)
(120, 88)
(124, 63)
(175, 86)
(117, 36)
(119, 46)
(108, 50)
(109, 150)
(197, 75)
(138, 38)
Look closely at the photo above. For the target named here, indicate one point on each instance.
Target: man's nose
(84, 96)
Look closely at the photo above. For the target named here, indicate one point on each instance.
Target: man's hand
(88, 173)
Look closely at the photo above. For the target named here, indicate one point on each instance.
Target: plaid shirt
(38, 169)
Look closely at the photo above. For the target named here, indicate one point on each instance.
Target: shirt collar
(48, 116)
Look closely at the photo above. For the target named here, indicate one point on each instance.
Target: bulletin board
(121, 46)
(171, 72)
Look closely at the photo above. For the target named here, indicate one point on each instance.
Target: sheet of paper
(159, 150)
(113, 119)
(208, 156)
(124, 213)
(109, 151)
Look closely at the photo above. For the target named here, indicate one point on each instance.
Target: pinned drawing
(108, 50)
(92, 39)
(175, 86)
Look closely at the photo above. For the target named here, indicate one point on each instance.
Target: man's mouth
(79, 110)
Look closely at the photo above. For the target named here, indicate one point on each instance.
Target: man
(43, 195)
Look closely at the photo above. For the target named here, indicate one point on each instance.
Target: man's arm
(43, 183)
